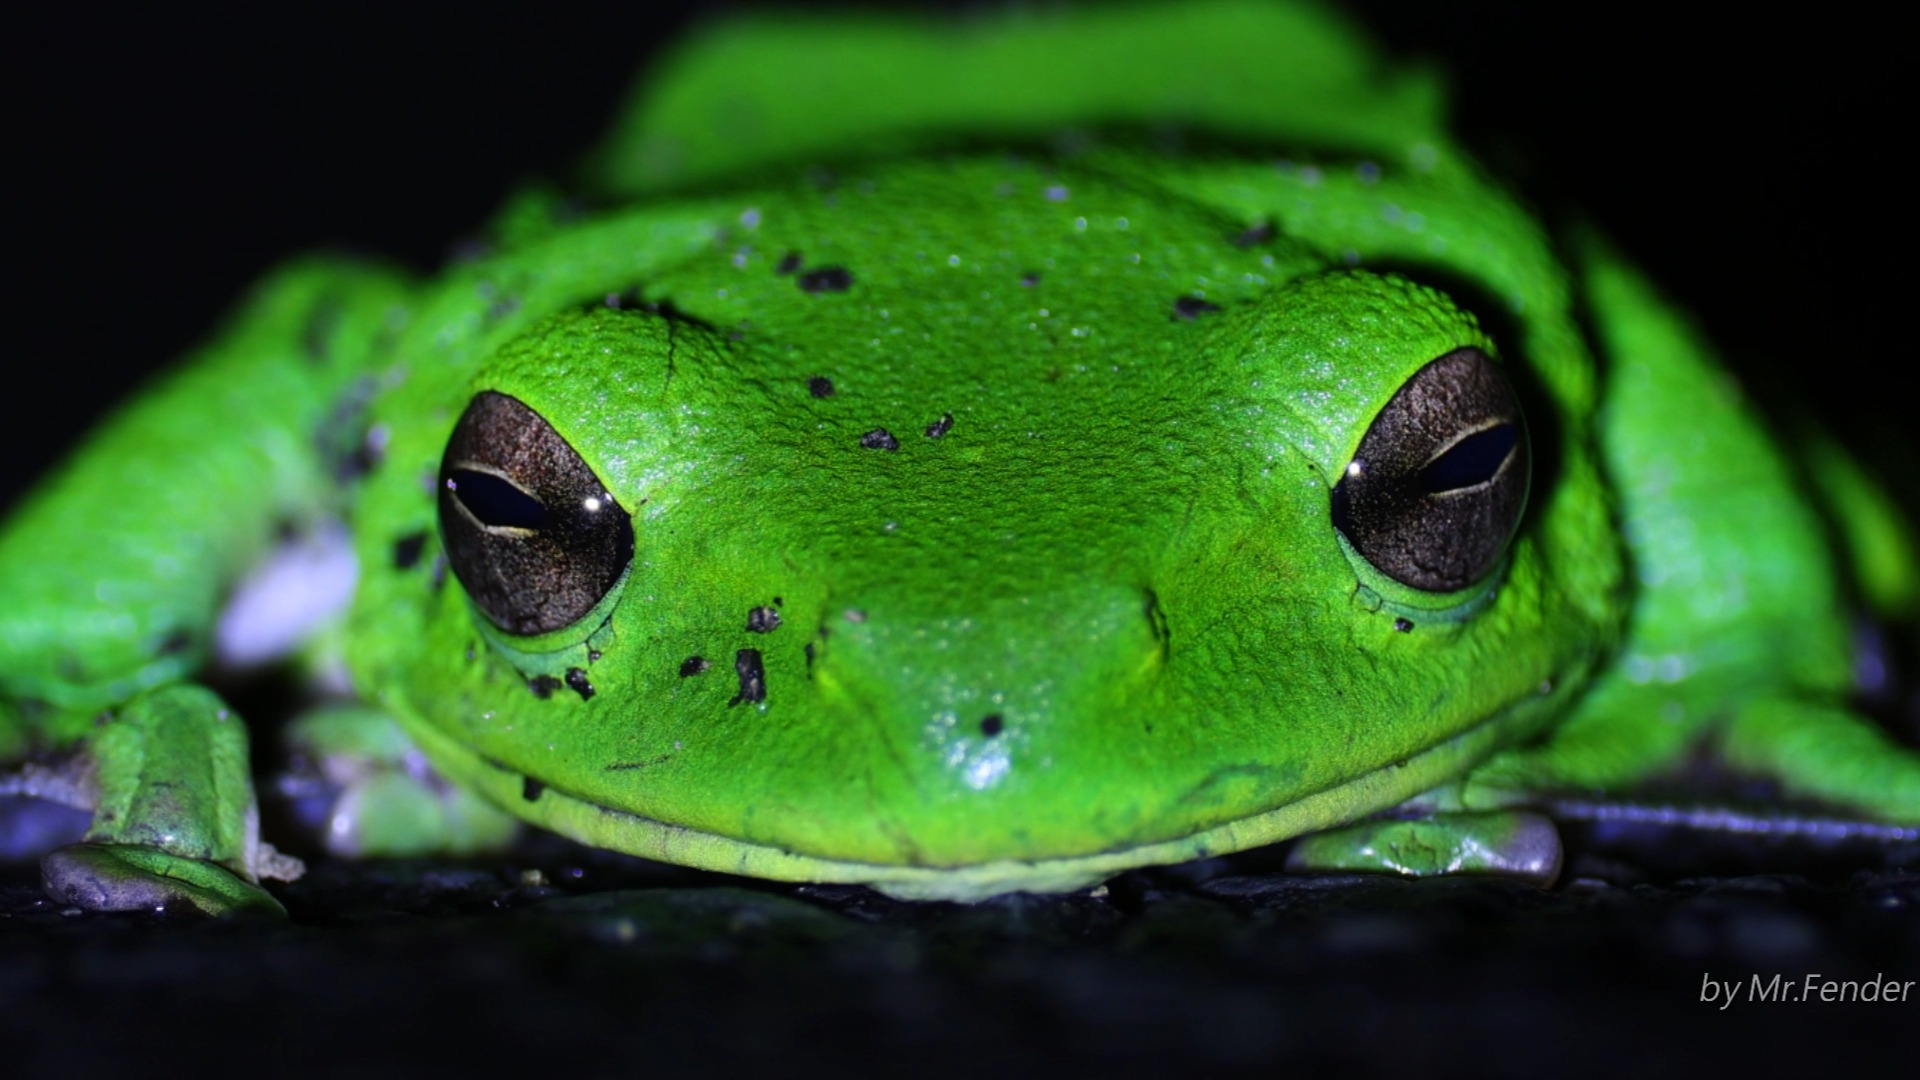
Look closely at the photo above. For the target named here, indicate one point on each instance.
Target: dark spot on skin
(941, 426)
(316, 337)
(344, 439)
(593, 656)
(577, 682)
(820, 387)
(500, 309)
(808, 652)
(693, 665)
(879, 439)
(1190, 308)
(788, 263)
(439, 574)
(753, 677)
(1156, 618)
(1030, 278)
(992, 724)
(779, 602)
(763, 620)
(407, 549)
(530, 789)
(472, 651)
(826, 279)
(367, 456)
(175, 643)
(1403, 625)
(1255, 235)
(625, 766)
(543, 686)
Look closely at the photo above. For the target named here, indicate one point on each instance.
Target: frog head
(1015, 564)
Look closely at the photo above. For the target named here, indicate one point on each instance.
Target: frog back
(781, 90)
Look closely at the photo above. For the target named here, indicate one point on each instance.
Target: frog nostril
(992, 724)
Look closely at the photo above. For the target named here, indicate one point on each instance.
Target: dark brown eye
(530, 531)
(1440, 480)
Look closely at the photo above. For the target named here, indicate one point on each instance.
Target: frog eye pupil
(495, 502)
(1439, 481)
(1470, 462)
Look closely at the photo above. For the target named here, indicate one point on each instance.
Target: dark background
(159, 161)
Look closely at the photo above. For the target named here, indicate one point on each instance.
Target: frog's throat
(618, 830)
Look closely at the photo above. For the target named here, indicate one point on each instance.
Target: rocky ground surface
(560, 957)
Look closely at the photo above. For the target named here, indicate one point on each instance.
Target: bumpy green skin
(1102, 621)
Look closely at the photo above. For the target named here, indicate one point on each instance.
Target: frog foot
(1503, 843)
(133, 877)
(382, 798)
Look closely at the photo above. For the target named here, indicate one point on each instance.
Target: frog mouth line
(620, 830)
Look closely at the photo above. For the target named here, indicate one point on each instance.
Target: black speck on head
(808, 652)
(439, 576)
(693, 665)
(753, 677)
(577, 682)
(407, 549)
(1255, 235)
(1403, 625)
(992, 724)
(531, 789)
(543, 686)
(593, 656)
(941, 426)
(879, 439)
(788, 263)
(1192, 307)
(176, 642)
(763, 620)
(820, 386)
(1030, 278)
(826, 279)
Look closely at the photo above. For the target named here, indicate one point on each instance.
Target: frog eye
(1438, 484)
(529, 529)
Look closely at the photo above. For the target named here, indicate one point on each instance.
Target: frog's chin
(618, 830)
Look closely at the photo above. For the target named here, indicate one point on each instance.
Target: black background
(161, 160)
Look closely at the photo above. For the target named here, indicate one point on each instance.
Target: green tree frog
(959, 459)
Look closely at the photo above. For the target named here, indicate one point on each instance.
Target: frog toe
(1507, 843)
(127, 877)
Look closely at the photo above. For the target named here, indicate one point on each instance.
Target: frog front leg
(115, 572)
(174, 816)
